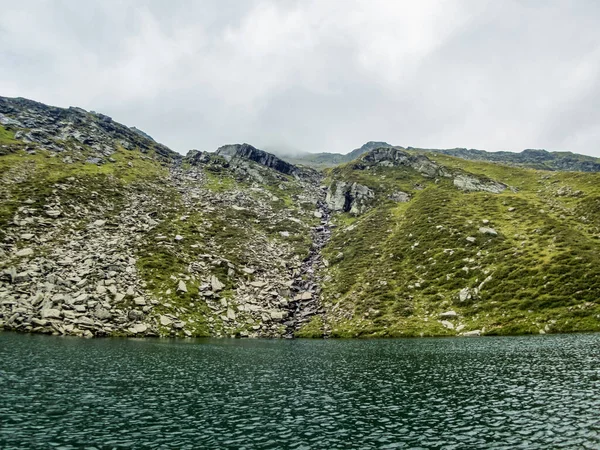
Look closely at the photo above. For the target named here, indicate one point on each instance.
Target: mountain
(322, 160)
(104, 231)
(533, 159)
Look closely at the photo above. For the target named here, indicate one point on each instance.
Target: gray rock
(165, 321)
(21, 277)
(85, 320)
(24, 252)
(138, 328)
(488, 230)
(349, 197)
(472, 333)
(449, 315)
(135, 315)
(472, 183)
(215, 284)
(231, 314)
(447, 324)
(181, 287)
(399, 196)
(102, 313)
(50, 313)
(278, 315)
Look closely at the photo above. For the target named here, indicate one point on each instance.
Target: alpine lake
(431, 393)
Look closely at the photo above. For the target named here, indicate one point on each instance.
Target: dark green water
(522, 392)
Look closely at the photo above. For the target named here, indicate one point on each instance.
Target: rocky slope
(104, 231)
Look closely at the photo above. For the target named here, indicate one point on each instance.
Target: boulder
(399, 196)
(468, 182)
(165, 321)
(488, 230)
(24, 252)
(449, 315)
(50, 313)
(138, 328)
(464, 294)
(181, 287)
(102, 313)
(278, 315)
(135, 315)
(215, 284)
(349, 197)
(472, 333)
(230, 314)
(447, 324)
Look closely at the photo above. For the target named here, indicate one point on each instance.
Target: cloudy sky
(317, 75)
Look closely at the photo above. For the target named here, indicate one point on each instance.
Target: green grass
(7, 137)
(399, 265)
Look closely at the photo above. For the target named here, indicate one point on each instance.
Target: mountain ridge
(529, 158)
(104, 232)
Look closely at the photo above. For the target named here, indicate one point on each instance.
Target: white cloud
(317, 75)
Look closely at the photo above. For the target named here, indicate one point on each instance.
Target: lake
(453, 393)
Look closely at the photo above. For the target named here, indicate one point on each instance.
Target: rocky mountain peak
(371, 145)
(86, 134)
(247, 151)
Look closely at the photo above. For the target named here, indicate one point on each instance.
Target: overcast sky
(318, 75)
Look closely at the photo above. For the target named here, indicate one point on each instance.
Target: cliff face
(103, 231)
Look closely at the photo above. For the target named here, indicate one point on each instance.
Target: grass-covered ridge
(395, 269)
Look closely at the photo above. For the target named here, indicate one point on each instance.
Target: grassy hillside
(104, 231)
(393, 270)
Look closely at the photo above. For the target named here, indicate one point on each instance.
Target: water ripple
(504, 393)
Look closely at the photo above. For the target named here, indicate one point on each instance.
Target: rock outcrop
(349, 197)
(468, 182)
(248, 152)
(393, 157)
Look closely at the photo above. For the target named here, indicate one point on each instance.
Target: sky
(317, 75)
